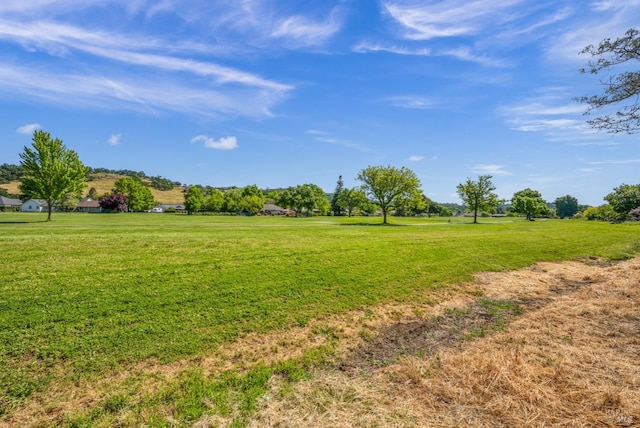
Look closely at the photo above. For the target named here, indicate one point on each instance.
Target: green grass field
(92, 294)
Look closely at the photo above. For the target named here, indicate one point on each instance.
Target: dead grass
(104, 183)
(571, 359)
(11, 187)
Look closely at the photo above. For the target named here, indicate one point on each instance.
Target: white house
(34, 206)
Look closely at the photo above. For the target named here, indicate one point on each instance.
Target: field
(165, 320)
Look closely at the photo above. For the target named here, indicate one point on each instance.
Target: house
(35, 206)
(88, 205)
(177, 208)
(272, 209)
(9, 204)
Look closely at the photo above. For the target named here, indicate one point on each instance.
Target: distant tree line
(51, 172)
(9, 173)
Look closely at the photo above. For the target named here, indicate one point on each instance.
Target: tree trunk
(49, 208)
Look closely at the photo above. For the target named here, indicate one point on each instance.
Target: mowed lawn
(95, 293)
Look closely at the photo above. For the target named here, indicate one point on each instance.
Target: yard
(162, 319)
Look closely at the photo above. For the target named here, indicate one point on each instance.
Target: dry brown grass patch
(570, 360)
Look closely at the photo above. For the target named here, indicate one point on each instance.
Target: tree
(232, 200)
(388, 186)
(307, 197)
(291, 198)
(528, 202)
(335, 206)
(115, 202)
(252, 200)
(138, 195)
(623, 199)
(93, 193)
(68, 202)
(193, 199)
(478, 195)
(444, 211)
(312, 197)
(251, 204)
(623, 87)
(603, 212)
(50, 170)
(566, 206)
(214, 201)
(349, 200)
(416, 204)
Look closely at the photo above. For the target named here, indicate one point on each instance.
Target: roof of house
(9, 202)
(89, 203)
(165, 206)
(272, 207)
(40, 202)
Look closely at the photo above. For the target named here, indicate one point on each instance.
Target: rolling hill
(103, 183)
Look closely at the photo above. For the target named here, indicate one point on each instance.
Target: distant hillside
(103, 183)
(164, 190)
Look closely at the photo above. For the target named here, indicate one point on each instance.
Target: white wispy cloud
(224, 143)
(115, 140)
(589, 170)
(364, 47)
(615, 162)
(431, 19)
(136, 93)
(28, 129)
(411, 101)
(326, 138)
(552, 114)
(415, 158)
(301, 31)
(157, 76)
(60, 39)
(491, 169)
(466, 53)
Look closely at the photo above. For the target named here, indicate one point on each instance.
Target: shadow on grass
(22, 222)
(374, 224)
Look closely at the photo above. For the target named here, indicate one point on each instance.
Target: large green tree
(50, 170)
(349, 200)
(252, 200)
(290, 198)
(305, 197)
(138, 195)
(232, 199)
(314, 198)
(388, 186)
(624, 87)
(566, 206)
(528, 202)
(623, 199)
(193, 199)
(214, 201)
(478, 195)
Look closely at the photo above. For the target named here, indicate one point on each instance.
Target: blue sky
(281, 93)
